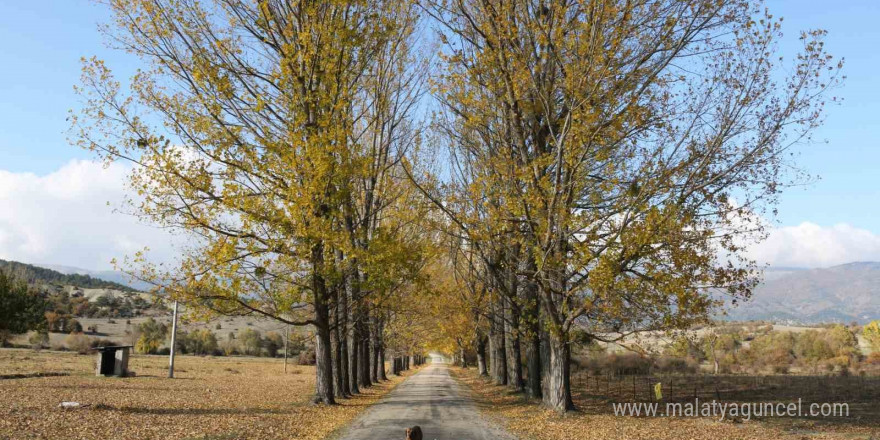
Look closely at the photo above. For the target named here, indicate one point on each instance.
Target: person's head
(414, 433)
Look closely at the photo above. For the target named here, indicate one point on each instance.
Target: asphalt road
(431, 399)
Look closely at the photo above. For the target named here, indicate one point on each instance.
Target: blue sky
(41, 44)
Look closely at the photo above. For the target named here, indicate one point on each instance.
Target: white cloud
(812, 245)
(72, 217)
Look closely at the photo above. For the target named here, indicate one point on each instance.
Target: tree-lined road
(430, 399)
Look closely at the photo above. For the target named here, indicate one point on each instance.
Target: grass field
(595, 420)
(210, 398)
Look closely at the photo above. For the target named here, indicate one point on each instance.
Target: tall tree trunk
(382, 374)
(499, 364)
(374, 351)
(351, 287)
(512, 346)
(558, 392)
(491, 340)
(558, 396)
(342, 330)
(531, 324)
(533, 352)
(338, 341)
(323, 348)
(481, 355)
(364, 361)
(381, 333)
(545, 361)
(344, 342)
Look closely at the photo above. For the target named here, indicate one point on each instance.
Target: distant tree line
(153, 337)
(737, 349)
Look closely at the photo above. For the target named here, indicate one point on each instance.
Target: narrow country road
(431, 399)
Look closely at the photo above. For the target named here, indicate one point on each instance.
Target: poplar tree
(247, 130)
(627, 148)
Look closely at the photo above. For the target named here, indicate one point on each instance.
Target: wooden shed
(112, 360)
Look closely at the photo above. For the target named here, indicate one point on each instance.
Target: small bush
(73, 326)
(307, 357)
(103, 343)
(78, 342)
(673, 365)
(39, 340)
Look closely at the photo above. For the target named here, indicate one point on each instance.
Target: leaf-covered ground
(211, 398)
(530, 421)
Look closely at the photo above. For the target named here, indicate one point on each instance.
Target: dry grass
(531, 421)
(228, 398)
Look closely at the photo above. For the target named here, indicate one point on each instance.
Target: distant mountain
(41, 275)
(849, 292)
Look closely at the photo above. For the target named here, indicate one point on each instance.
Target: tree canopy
(21, 308)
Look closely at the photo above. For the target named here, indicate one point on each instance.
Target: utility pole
(173, 342)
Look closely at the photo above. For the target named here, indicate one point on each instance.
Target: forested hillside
(35, 275)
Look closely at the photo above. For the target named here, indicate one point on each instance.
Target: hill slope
(36, 275)
(113, 276)
(849, 292)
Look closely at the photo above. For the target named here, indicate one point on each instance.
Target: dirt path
(431, 399)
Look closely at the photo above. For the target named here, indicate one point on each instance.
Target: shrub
(39, 339)
(773, 351)
(74, 326)
(842, 341)
(307, 357)
(683, 347)
(152, 336)
(273, 342)
(251, 342)
(871, 333)
(78, 342)
(779, 369)
(229, 347)
(147, 345)
(5, 336)
(103, 343)
(626, 364)
(198, 342)
(672, 365)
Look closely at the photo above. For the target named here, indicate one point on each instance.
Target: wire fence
(734, 388)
